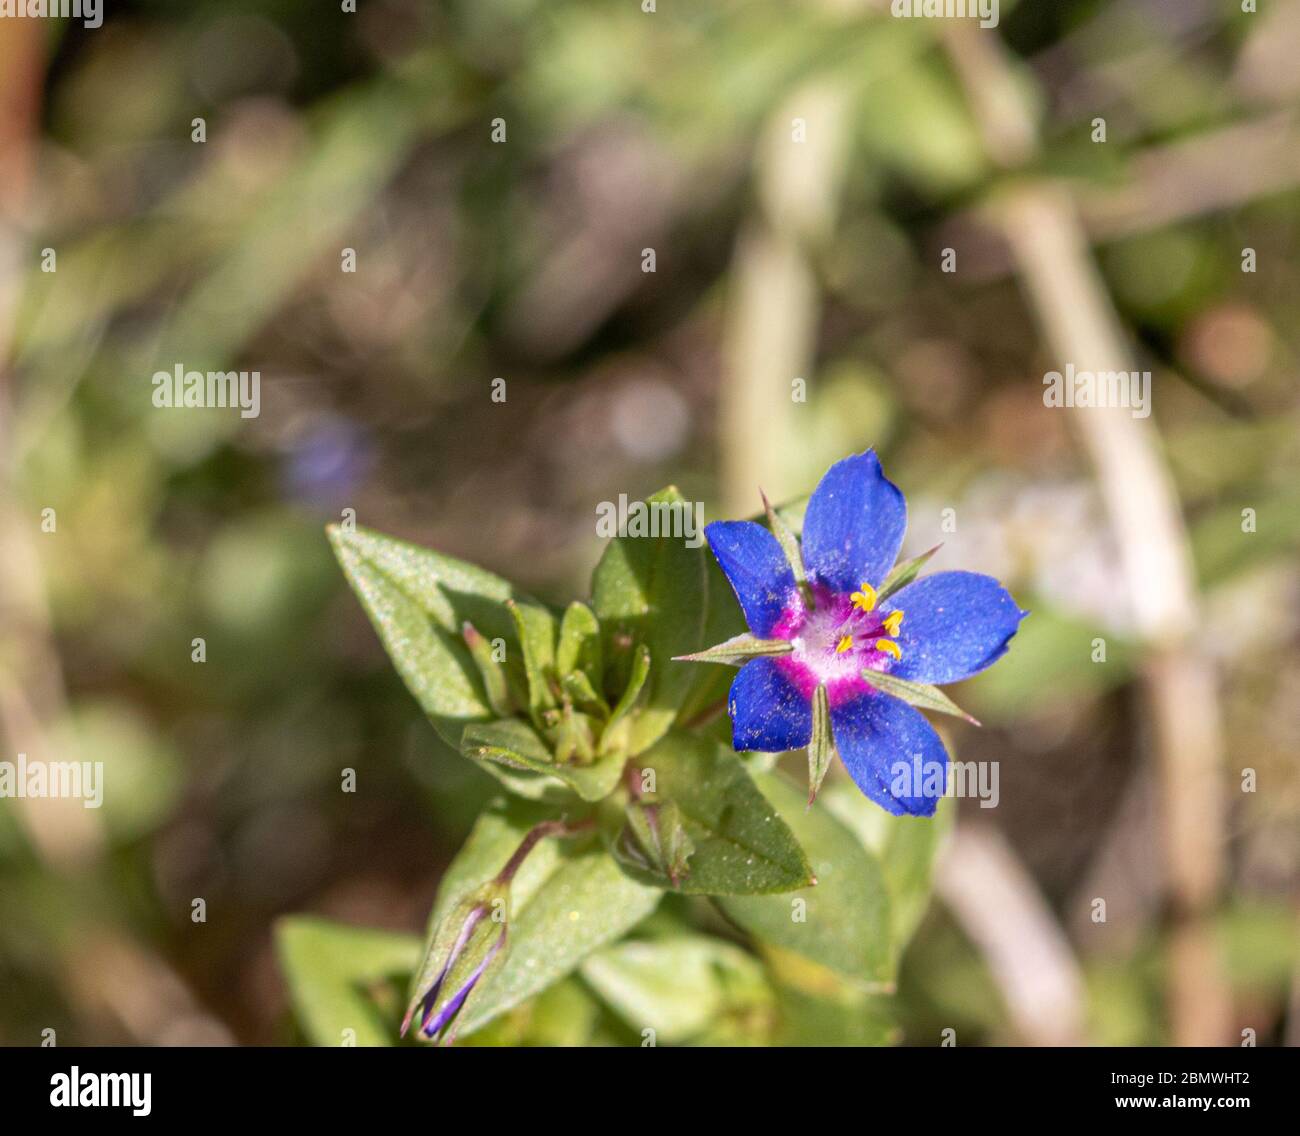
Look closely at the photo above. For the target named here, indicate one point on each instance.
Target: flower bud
(469, 942)
(654, 840)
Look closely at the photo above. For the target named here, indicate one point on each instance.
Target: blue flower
(939, 629)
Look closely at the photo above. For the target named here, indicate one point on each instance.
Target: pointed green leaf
(653, 591)
(742, 847)
(579, 647)
(577, 689)
(738, 650)
(575, 738)
(821, 747)
(843, 922)
(904, 573)
(418, 602)
(615, 736)
(492, 673)
(512, 746)
(331, 970)
(536, 629)
(920, 694)
(567, 900)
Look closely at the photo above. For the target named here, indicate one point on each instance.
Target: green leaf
(738, 650)
(821, 746)
(916, 694)
(536, 628)
(905, 848)
(845, 917)
(833, 1018)
(565, 1015)
(742, 847)
(418, 601)
(578, 690)
(579, 647)
(514, 747)
(567, 900)
(653, 591)
(615, 736)
(725, 621)
(680, 987)
(904, 573)
(575, 737)
(331, 968)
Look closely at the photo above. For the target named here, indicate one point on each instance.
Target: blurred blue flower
(327, 462)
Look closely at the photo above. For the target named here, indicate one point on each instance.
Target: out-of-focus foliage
(627, 131)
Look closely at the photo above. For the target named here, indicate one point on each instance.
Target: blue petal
(767, 712)
(954, 625)
(891, 752)
(757, 569)
(854, 524)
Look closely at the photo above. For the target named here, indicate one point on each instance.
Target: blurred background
(793, 175)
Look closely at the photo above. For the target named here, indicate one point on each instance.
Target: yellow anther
(891, 623)
(866, 598)
(846, 641)
(889, 647)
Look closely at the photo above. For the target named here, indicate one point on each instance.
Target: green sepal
(904, 573)
(738, 650)
(821, 746)
(493, 674)
(790, 546)
(919, 694)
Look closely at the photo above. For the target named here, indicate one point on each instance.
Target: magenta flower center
(835, 642)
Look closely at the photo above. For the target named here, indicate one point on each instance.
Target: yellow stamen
(866, 598)
(846, 641)
(891, 623)
(889, 647)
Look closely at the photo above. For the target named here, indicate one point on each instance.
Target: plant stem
(535, 835)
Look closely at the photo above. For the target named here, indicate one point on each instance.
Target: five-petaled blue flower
(938, 629)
